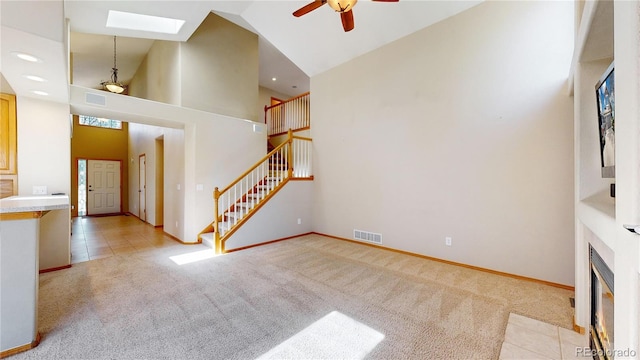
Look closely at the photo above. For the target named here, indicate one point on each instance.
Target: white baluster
(296, 158)
(299, 113)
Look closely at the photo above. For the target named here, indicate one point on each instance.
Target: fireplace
(601, 330)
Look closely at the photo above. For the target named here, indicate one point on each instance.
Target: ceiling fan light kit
(113, 85)
(344, 7)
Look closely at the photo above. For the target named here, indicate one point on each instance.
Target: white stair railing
(245, 195)
(291, 114)
(302, 157)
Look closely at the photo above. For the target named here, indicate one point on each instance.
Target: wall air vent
(96, 99)
(367, 236)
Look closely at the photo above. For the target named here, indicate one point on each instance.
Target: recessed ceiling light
(35, 78)
(273, 79)
(26, 57)
(133, 21)
(39, 92)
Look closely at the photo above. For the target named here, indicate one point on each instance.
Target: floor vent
(367, 236)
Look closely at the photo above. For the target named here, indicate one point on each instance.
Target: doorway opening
(142, 187)
(159, 176)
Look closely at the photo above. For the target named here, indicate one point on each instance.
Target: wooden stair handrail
(286, 101)
(220, 240)
(302, 138)
(217, 194)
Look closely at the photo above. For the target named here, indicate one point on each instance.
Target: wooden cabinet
(8, 146)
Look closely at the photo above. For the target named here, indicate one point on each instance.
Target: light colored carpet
(311, 297)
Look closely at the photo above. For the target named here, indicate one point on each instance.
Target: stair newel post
(216, 197)
(265, 114)
(290, 154)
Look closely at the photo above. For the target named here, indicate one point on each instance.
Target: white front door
(142, 189)
(103, 187)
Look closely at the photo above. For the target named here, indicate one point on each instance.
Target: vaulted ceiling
(291, 49)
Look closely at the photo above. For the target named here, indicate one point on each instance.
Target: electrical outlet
(176, 224)
(299, 221)
(39, 190)
(447, 241)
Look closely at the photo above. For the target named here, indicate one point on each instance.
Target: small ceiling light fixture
(342, 5)
(273, 79)
(26, 57)
(35, 78)
(113, 85)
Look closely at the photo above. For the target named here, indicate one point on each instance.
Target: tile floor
(98, 237)
(527, 338)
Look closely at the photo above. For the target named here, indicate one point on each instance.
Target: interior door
(103, 187)
(142, 189)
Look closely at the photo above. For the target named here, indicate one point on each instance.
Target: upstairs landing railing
(291, 114)
(237, 202)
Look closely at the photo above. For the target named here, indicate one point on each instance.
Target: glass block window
(100, 122)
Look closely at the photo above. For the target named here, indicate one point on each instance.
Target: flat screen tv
(605, 96)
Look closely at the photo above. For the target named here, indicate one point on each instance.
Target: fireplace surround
(602, 286)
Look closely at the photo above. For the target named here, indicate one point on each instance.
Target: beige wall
(158, 76)
(90, 142)
(216, 71)
(4, 86)
(219, 69)
(463, 129)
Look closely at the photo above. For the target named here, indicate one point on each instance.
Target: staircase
(236, 203)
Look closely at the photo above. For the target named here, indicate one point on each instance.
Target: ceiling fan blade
(347, 20)
(309, 8)
(386, 0)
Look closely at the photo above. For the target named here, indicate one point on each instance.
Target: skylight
(133, 21)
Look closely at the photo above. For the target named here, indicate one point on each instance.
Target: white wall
(463, 129)
(142, 140)
(278, 218)
(224, 150)
(44, 145)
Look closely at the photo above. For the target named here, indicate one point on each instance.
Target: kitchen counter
(34, 235)
(17, 204)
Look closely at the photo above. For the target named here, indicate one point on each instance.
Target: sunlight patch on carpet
(335, 336)
(192, 257)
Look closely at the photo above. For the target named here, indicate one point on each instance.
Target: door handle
(90, 189)
(633, 228)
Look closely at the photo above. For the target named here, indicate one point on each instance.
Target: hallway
(99, 237)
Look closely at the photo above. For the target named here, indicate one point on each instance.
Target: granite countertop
(16, 204)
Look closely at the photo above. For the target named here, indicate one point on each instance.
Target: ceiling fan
(344, 7)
